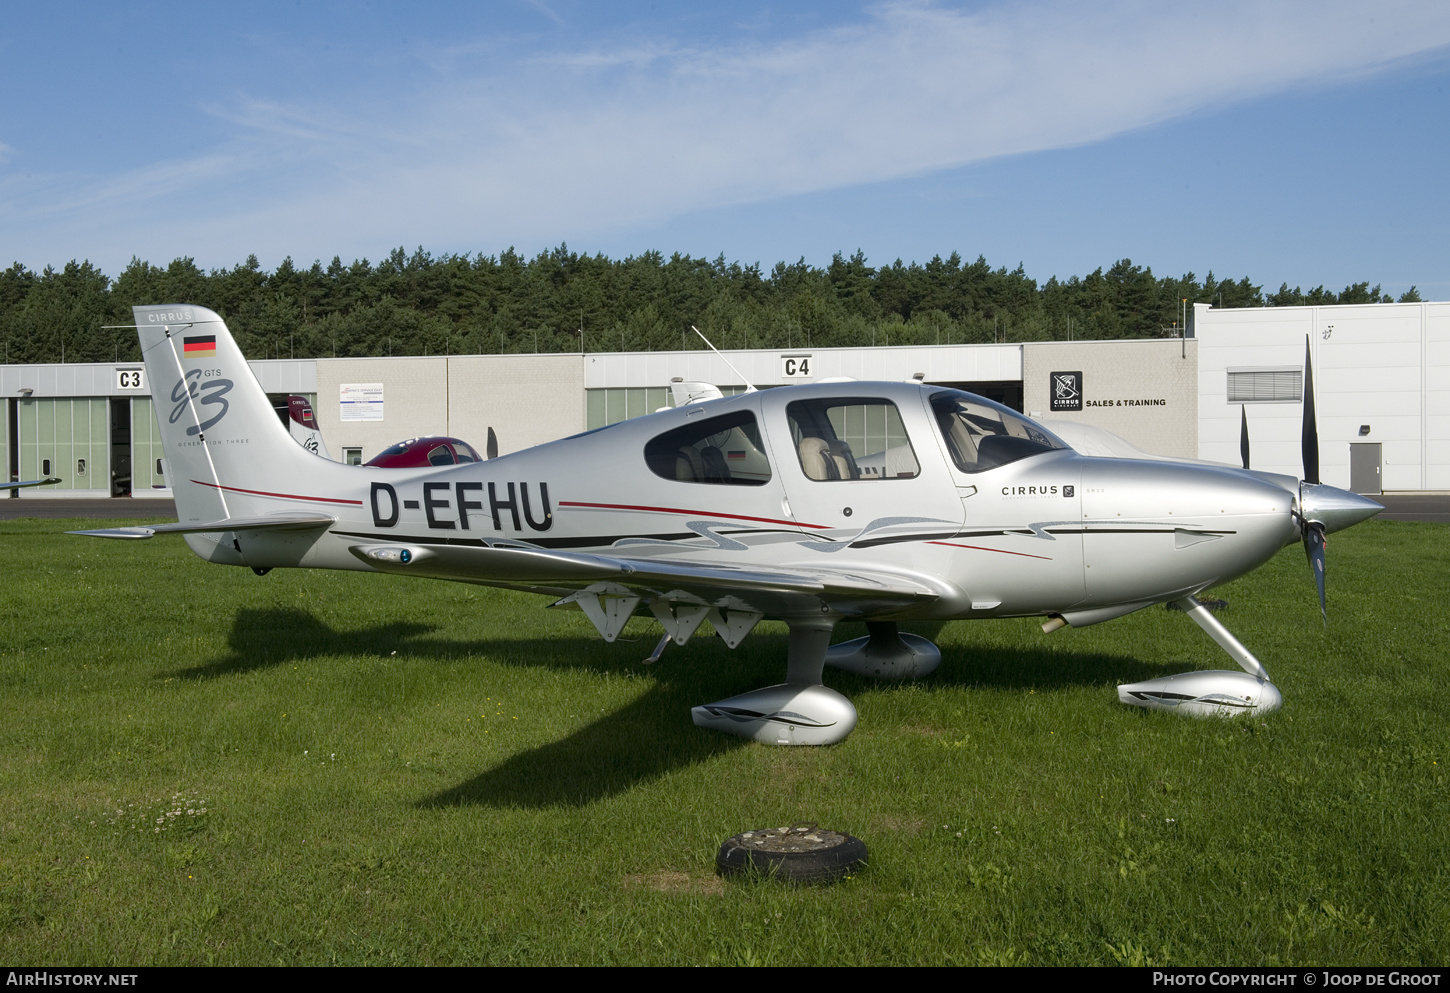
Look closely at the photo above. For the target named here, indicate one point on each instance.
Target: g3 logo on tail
(186, 391)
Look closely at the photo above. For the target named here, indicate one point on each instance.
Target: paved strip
(1433, 508)
(96, 508)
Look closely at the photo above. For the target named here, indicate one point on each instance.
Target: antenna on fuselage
(749, 386)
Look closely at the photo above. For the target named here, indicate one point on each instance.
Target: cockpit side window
(845, 438)
(981, 435)
(722, 450)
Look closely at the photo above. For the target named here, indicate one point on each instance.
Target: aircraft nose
(1336, 509)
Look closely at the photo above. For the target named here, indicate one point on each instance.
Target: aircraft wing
(767, 590)
(272, 522)
(30, 482)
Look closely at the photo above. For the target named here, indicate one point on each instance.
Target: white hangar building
(1381, 385)
(1380, 376)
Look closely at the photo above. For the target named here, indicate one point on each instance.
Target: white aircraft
(810, 504)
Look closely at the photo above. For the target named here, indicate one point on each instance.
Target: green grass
(425, 773)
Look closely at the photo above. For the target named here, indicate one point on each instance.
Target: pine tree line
(562, 301)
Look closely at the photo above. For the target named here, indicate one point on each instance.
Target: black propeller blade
(1313, 530)
(1314, 551)
(1310, 438)
(1244, 433)
(490, 448)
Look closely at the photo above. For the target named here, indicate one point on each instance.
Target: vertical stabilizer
(302, 424)
(227, 453)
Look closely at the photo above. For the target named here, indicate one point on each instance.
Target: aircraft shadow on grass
(266, 638)
(651, 735)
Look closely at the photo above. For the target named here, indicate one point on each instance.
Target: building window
(1284, 384)
(610, 406)
(352, 456)
(620, 403)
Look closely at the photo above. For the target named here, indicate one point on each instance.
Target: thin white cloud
(567, 144)
(918, 88)
(544, 9)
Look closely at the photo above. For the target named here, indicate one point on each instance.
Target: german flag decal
(200, 346)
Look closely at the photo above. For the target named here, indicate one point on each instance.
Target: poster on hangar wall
(361, 401)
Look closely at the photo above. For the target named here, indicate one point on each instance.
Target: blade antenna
(749, 386)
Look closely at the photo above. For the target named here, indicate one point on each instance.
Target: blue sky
(1298, 142)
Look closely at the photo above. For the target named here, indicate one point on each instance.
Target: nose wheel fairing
(1212, 693)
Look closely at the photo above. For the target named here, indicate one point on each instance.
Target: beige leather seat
(817, 460)
(689, 467)
(845, 461)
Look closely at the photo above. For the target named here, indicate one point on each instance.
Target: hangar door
(146, 453)
(99, 444)
(66, 437)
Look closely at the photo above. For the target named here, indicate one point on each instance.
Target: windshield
(981, 434)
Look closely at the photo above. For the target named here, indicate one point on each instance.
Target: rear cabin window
(725, 451)
(851, 438)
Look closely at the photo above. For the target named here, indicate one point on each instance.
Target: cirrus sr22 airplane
(878, 502)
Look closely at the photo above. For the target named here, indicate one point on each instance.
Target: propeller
(1309, 442)
(1320, 509)
(490, 448)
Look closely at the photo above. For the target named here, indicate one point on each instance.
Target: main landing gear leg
(885, 653)
(1216, 693)
(799, 711)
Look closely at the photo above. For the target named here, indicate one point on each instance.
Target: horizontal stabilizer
(272, 522)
